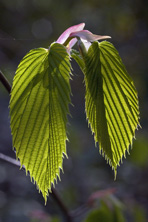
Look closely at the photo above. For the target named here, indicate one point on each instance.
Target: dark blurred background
(27, 24)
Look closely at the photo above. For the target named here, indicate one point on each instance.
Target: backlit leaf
(78, 58)
(111, 101)
(38, 110)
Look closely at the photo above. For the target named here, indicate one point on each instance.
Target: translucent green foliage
(39, 103)
(78, 58)
(111, 101)
(38, 110)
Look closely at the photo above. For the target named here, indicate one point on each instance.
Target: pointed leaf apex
(112, 106)
(39, 106)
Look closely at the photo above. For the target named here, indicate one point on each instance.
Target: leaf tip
(115, 173)
(45, 200)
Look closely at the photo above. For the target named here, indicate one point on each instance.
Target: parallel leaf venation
(111, 101)
(27, 65)
(27, 80)
(16, 110)
(120, 99)
(95, 107)
(122, 73)
(39, 106)
(127, 106)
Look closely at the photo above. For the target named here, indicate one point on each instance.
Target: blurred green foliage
(140, 152)
(104, 214)
(139, 214)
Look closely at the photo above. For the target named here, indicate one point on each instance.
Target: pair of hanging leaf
(40, 99)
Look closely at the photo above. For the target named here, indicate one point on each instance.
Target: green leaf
(78, 58)
(111, 101)
(38, 109)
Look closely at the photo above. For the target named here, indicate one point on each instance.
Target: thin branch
(5, 82)
(61, 205)
(54, 194)
(9, 159)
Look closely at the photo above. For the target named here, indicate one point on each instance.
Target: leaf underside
(111, 102)
(38, 109)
